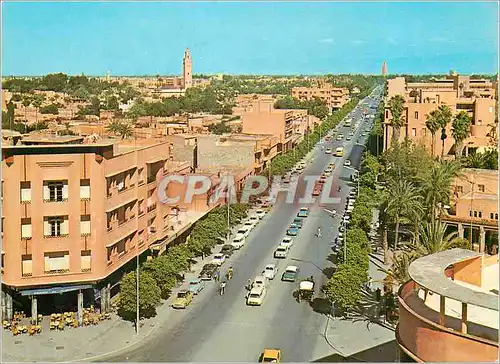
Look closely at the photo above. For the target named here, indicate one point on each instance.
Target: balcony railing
(55, 236)
(86, 270)
(47, 200)
(57, 271)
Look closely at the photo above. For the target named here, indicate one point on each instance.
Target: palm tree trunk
(416, 230)
(442, 150)
(458, 149)
(396, 233)
(432, 145)
(385, 244)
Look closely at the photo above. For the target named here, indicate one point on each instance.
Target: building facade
(460, 93)
(334, 97)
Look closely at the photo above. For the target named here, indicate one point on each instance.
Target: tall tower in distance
(384, 68)
(187, 70)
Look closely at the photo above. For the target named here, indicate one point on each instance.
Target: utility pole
(227, 203)
(345, 240)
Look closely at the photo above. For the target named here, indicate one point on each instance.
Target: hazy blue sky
(239, 38)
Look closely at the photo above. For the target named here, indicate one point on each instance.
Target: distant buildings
(448, 311)
(460, 93)
(334, 97)
(384, 68)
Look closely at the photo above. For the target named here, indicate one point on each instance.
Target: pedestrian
(370, 281)
(249, 285)
(222, 288)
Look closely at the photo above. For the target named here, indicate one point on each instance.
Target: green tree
(37, 101)
(399, 267)
(404, 198)
(219, 128)
(445, 116)
(125, 130)
(114, 127)
(361, 216)
(149, 296)
(432, 125)
(433, 239)
(344, 288)
(396, 106)
(49, 109)
(460, 130)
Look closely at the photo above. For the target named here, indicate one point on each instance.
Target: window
(120, 247)
(55, 191)
(85, 261)
(56, 226)
(496, 216)
(475, 213)
(387, 114)
(492, 215)
(56, 262)
(85, 225)
(25, 191)
(85, 189)
(413, 132)
(27, 265)
(416, 115)
(459, 189)
(25, 228)
(480, 188)
(480, 214)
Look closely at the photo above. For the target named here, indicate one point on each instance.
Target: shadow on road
(320, 305)
(328, 272)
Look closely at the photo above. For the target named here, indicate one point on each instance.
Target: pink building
(334, 97)
(74, 213)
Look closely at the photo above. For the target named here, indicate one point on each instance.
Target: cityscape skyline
(248, 38)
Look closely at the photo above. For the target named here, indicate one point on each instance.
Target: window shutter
(47, 263)
(46, 228)
(25, 194)
(84, 192)
(27, 267)
(26, 231)
(85, 227)
(85, 261)
(65, 227)
(46, 192)
(65, 191)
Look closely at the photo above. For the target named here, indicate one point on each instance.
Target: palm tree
(433, 239)
(37, 102)
(396, 106)
(444, 118)
(432, 125)
(493, 133)
(125, 130)
(437, 188)
(404, 200)
(26, 102)
(399, 267)
(460, 130)
(114, 127)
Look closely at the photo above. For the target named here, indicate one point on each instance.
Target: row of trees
(316, 107)
(159, 276)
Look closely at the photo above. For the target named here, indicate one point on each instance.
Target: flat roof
(428, 272)
(52, 138)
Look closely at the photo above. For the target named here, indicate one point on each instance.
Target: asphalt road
(222, 328)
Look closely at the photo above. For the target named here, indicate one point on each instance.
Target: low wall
(427, 341)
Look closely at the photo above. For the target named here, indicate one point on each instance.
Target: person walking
(222, 288)
(319, 232)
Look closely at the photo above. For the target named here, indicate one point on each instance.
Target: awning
(157, 159)
(54, 290)
(121, 204)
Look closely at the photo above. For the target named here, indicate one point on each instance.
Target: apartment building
(334, 97)
(474, 208)
(461, 93)
(286, 125)
(74, 213)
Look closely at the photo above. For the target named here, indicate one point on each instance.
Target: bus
(339, 152)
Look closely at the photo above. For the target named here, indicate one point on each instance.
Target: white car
(256, 296)
(270, 271)
(238, 241)
(219, 259)
(250, 224)
(347, 163)
(244, 230)
(347, 219)
(255, 218)
(287, 241)
(260, 213)
(328, 151)
(259, 281)
(281, 251)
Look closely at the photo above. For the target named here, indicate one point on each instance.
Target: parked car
(303, 212)
(238, 241)
(244, 230)
(293, 230)
(287, 241)
(290, 274)
(255, 218)
(208, 271)
(219, 259)
(348, 138)
(340, 137)
(298, 221)
(270, 271)
(260, 213)
(227, 250)
(250, 224)
(196, 285)
(183, 299)
(281, 251)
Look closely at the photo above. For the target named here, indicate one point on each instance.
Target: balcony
(121, 198)
(60, 236)
(57, 271)
(121, 230)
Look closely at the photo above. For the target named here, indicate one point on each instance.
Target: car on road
(339, 152)
(328, 150)
(290, 274)
(208, 271)
(270, 271)
(326, 174)
(363, 134)
(259, 281)
(348, 138)
(317, 189)
(340, 137)
(260, 213)
(238, 241)
(347, 218)
(332, 166)
(287, 241)
(303, 212)
(256, 296)
(270, 356)
(293, 230)
(227, 249)
(196, 285)
(183, 299)
(286, 179)
(254, 218)
(281, 251)
(322, 179)
(244, 230)
(298, 221)
(219, 259)
(250, 224)
(347, 163)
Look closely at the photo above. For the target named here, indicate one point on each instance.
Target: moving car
(348, 138)
(328, 169)
(208, 271)
(293, 230)
(219, 259)
(303, 212)
(227, 250)
(260, 213)
(270, 271)
(328, 150)
(270, 356)
(340, 137)
(259, 281)
(238, 241)
(256, 296)
(318, 187)
(183, 299)
(281, 251)
(196, 285)
(339, 152)
(322, 179)
(298, 221)
(287, 241)
(331, 165)
(347, 163)
(290, 274)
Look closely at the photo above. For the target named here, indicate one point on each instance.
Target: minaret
(108, 76)
(384, 69)
(187, 70)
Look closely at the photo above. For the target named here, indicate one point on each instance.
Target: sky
(139, 38)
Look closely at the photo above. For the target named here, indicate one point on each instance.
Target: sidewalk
(88, 343)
